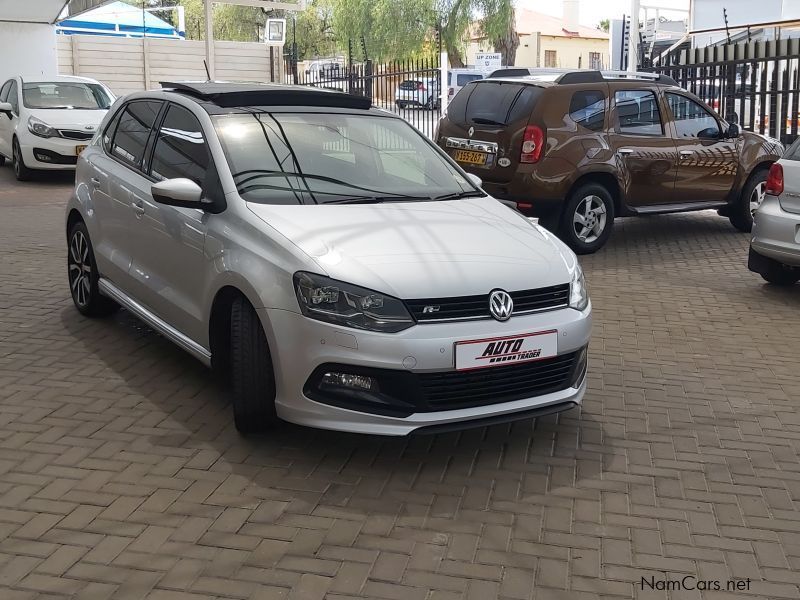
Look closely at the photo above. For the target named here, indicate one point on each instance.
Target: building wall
(569, 52)
(131, 64)
(27, 49)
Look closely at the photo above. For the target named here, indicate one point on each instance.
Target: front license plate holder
(507, 350)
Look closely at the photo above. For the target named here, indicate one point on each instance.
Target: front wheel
(83, 276)
(588, 218)
(252, 374)
(741, 213)
(21, 172)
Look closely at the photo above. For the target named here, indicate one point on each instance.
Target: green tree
(604, 25)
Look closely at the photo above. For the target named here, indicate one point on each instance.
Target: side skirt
(168, 331)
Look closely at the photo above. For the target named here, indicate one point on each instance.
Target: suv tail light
(532, 144)
(421, 87)
(775, 180)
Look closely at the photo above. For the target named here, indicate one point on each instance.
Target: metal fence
(756, 81)
(409, 88)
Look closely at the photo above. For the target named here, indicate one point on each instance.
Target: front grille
(431, 310)
(464, 389)
(72, 134)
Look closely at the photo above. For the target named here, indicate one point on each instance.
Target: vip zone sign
(488, 61)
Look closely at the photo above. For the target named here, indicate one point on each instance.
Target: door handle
(625, 151)
(138, 208)
(687, 152)
(95, 182)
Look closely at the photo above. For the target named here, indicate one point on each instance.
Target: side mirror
(475, 179)
(5, 107)
(709, 133)
(178, 192)
(734, 131)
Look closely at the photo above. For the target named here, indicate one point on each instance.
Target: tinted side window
(4, 90)
(637, 112)
(465, 78)
(12, 97)
(691, 118)
(588, 109)
(180, 149)
(108, 134)
(133, 130)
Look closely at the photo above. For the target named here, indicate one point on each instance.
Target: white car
(423, 91)
(45, 123)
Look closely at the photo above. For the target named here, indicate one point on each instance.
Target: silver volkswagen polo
(328, 259)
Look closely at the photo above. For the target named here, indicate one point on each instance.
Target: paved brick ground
(121, 475)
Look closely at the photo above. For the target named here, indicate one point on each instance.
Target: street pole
(444, 61)
(208, 6)
(633, 44)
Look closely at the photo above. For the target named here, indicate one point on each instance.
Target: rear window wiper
(484, 121)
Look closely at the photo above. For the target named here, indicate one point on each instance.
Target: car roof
(56, 79)
(214, 95)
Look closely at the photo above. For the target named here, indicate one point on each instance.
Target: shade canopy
(117, 19)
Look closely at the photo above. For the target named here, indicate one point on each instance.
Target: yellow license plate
(470, 157)
(79, 149)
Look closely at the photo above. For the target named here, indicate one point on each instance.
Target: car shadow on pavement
(173, 404)
(43, 177)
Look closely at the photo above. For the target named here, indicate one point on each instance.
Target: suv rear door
(646, 155)
(485, 123)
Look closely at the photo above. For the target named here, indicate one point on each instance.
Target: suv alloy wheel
(588, 218)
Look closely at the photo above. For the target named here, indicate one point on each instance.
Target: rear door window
(637, 112)
(588, 109)
(500, 102)
(133, 131)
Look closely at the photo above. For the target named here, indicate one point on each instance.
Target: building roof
(529, 22)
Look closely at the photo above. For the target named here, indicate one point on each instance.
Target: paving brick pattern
(121, 475)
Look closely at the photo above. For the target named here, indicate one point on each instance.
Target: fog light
(42, 157)
(350, 381)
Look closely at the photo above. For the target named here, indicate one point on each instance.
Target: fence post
(146, 62)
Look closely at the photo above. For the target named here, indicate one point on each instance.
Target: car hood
(68, 118)
(425, 249)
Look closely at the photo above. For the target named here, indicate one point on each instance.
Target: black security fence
(410, 88)
(755, 83)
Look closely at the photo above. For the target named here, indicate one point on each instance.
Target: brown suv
(578, 148)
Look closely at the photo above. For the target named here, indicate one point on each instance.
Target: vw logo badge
(89, 128)
(470, 131)
(501, 305)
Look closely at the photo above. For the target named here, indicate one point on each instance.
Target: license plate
(470, 157)
(502, 351)
(79, 149)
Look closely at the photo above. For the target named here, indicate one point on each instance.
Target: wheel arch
(73, 217)
(607, 180)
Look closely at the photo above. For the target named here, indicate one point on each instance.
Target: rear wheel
(588, 218)
(83, 275)
(252, 374)
(21, 172)
(741, 213)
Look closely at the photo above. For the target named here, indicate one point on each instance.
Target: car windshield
(308, 158)
(65, 95)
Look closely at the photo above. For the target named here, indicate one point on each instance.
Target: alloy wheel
(757, 197)
(16, 159)
(590, 219)
(80, 269)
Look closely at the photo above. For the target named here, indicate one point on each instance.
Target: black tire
(741, 212)
(83, 276)
(2, 160)
(777, 274)
(570, 230)
(21, 172)
(252, 375)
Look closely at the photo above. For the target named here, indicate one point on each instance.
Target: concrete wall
(570, 52)
(27, 49)
(129, 65)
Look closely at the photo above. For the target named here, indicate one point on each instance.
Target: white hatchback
(45, 123)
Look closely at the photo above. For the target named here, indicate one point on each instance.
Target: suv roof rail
(229, 95)
(592, 76)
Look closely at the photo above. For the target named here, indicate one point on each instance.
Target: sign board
(488, 62)
(276, 32)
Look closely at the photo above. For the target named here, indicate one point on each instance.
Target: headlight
(340, 303)
(578, 295)
(40, 128)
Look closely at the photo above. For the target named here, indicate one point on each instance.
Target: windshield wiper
(483, 121)
(459, 195)
(258, 173)
(380, 199)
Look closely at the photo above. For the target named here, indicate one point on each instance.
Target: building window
(550, 59)
(595, 60)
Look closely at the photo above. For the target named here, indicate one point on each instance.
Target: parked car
(45, 123)
(578, 149)
(423, 91)
(341, 269)
(458, 78)
(775, 245)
